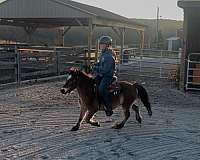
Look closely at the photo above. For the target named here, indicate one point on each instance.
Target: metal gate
(161, 64)
(193, 72)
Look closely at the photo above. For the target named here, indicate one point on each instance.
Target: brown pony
(89, 100)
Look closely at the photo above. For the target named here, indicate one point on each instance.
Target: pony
(125, 97)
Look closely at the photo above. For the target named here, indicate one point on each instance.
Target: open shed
(33, 14)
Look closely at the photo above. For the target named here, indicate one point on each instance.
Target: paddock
(36, 118)
(36, 121)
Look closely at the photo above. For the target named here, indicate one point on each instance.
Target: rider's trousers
(103, 90)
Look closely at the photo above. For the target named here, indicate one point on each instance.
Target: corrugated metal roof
(56, 9)
(188, 3)
(51, 8)
(95, 10)
(39, 9)
(99, 12)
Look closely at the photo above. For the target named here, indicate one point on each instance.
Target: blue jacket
(106, 65)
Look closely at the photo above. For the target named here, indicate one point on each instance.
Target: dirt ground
(35, 123)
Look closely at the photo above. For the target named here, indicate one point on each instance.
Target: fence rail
(31, 63)
(26, 64)
(151, 63)
(193, 72)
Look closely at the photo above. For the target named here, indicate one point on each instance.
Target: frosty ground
(35, 123)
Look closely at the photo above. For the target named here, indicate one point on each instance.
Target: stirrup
(109, 113)
(108, 110)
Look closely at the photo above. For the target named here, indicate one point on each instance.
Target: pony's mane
(89, 76)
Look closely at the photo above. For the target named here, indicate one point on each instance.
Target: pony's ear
(71, 70)
(74, 69)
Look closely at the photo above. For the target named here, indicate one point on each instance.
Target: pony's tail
(143, 95)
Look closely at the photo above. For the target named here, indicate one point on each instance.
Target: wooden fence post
(18, 62)
(57, 62)
(16, 67)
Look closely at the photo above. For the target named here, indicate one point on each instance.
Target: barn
(190, 70)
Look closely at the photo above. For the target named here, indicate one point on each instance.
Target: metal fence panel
(193, 72)
(150, 63)
(33, 63)
(8, 67)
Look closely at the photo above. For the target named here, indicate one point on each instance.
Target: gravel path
(36, 121)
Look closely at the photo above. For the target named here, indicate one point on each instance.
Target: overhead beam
(80, 23)
(116, 32)
(112, 23)
(90, 35)
(66, 30)
(45, 23)
(62, 33)
(141, 40)
(122, 41)
(29, 31)
(53, 22)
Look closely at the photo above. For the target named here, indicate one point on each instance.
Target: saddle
(114, 90)
(114, 87)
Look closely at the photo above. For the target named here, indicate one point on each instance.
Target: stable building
(190, 68)
(33, 14)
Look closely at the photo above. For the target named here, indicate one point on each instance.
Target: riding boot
(108, 109)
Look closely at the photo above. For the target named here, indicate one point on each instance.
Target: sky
(145, 9)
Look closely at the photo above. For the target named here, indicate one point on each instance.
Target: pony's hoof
(150, 113)
(139, 120)
(96, 124)
(118, 126)
(75, 128)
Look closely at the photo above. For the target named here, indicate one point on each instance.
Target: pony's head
(71, 80)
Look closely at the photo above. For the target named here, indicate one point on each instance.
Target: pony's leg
(148, 106)
(137, 113)
(89, 116)
(81, 116)
(126, 114)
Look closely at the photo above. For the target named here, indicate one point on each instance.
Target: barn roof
(59, 12)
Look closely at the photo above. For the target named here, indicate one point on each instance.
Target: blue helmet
(105, 40)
